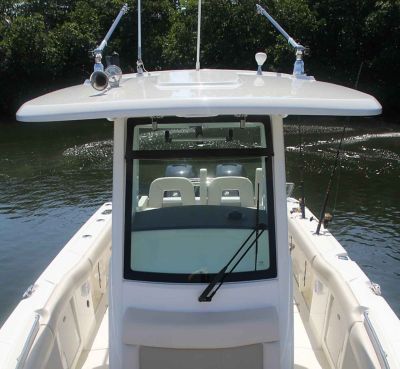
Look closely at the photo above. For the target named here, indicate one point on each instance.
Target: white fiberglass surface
(196, 251)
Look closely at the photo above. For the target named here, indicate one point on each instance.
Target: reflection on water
(54, 176)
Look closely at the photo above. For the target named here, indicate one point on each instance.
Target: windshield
(192, 194)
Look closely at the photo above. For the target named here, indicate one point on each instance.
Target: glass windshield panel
(200, 136)
(198, 191)
(236, 185)
(194, 251)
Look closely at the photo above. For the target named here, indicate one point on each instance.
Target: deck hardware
(260, 59)
(98, 271)
(29, 291)
(86, 236)
(114, 74)
(106, 212)
(376, 288)
(343, 257)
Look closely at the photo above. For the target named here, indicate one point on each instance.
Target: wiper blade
(219, 278)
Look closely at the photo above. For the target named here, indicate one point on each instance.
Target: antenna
(198, 36)
(139, 62)
(298, 69)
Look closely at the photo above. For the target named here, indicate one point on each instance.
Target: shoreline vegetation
(45, 44)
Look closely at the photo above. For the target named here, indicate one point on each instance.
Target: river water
(53, 176)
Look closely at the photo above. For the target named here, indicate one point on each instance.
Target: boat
(203, 259)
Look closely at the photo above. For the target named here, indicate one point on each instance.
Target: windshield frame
(264, 154)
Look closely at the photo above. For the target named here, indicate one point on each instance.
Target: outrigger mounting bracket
(298, 69)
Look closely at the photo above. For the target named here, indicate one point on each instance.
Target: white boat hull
(339, 321)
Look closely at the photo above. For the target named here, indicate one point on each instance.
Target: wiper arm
(219, 278)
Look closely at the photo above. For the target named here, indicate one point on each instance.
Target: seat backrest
(221, 184)
(203, 186)
(160, 185)
(259, 187)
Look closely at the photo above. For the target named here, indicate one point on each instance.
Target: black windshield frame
(131, 155)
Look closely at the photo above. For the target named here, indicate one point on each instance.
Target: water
(54, 176)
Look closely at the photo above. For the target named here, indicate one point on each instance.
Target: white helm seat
(241, 184)
(160, 185)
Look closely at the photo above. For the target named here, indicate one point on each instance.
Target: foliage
(44, 44)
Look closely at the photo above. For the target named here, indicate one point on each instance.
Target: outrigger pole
(98, 52)
(298, 69)
(102, 79)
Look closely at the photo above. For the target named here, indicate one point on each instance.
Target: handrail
(28, 343)
(382, 356)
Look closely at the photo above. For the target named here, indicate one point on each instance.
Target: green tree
(232, 32)
(44, 44)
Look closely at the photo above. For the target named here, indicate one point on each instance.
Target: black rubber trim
(201, 153)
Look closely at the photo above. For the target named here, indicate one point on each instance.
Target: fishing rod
(302, 190)
(322, 217)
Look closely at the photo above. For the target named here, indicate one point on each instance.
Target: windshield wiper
(219, 278)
